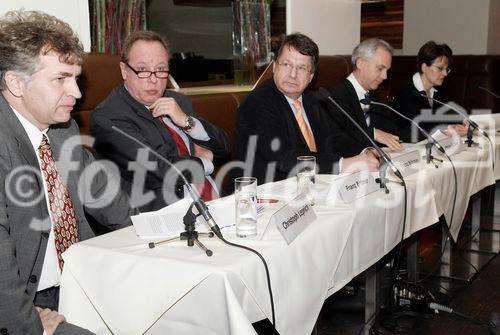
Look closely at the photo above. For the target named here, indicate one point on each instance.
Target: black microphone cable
(442, 150)
(387, 161)
(203, 210)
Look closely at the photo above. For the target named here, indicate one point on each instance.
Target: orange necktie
(306, 132)
(61, 207)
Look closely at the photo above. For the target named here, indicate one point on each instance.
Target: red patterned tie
(206, 189)
(61, 207)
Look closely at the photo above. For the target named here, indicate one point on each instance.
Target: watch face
(189, 123)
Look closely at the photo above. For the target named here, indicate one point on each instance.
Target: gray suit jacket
(24, 219)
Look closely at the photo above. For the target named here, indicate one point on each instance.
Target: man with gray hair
(371, 60)
(49, 180)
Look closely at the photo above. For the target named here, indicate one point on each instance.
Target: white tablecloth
(116, 284)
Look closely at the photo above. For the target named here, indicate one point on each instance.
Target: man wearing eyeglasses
(371, 60)
(281, 120)
(162, 119)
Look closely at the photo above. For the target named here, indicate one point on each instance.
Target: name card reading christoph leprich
(356, 185)
(293, 218)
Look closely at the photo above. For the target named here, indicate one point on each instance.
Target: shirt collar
(34, 134)
(360, 91)
(290, 102)
(419, 85)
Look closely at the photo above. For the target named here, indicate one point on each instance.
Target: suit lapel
(14, 125)
(17, 135)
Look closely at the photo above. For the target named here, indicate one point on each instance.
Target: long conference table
(115, 284)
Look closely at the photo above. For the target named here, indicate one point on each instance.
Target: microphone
(381, 153)
(488, 91)
(465, 116)
(367, 101)
(200, 205)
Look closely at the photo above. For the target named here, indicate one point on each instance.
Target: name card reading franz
(356, 185)
(408, 163)
(293, 218)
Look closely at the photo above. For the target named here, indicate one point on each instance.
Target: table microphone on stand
(472, 124)
(430, 140)
(200, 205)
(387, 161)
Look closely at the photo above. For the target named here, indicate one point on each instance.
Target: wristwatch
(189, 123)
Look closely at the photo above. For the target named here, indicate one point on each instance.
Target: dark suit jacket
(411, 105)
(268, 118)
(24, 220)
(134, 118)
(348, 141)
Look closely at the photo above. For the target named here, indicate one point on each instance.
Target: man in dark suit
(49, 181)
(164, 120)
(371, 60)
(281, 120)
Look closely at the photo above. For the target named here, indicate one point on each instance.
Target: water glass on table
(245, 195)
(306, 172)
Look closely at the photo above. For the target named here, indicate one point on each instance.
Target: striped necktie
(205, 190)
(366, 109)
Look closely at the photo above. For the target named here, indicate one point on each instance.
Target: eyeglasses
(161, 74)
(442, 68)
(301, 69)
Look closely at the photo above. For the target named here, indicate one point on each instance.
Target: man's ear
(123, 70)
(15, 83)
(360, 63)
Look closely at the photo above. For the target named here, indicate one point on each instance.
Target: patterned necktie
(61, 207)
(306, 132)
(206, 190)
(366, 109)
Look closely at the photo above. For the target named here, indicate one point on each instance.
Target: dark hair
(302, 44)
(431, 51)
(141, 35)
(25, 35)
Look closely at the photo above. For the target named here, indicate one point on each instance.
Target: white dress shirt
(360, 92)
(419, 85)
(51, 274)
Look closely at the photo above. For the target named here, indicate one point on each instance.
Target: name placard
(356, 185)
(293, 218)
(408, 162)
(451, 145)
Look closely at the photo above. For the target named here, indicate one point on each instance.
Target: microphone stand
(469, 141)
(190, 235)
(430, 140)
(190, 218)
(382, 179)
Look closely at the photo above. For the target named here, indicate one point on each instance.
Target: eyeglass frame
(442, 68)
(137, 73)
(302, 69)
